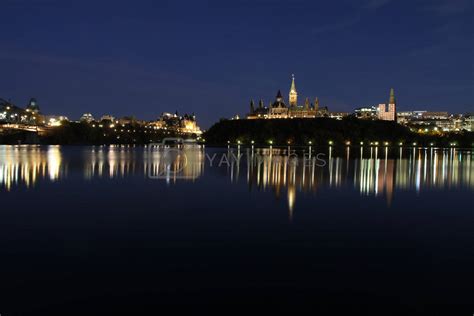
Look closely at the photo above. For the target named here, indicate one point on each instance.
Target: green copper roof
(392, 97)
(293, 87)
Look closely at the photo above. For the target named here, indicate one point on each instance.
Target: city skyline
(307, 157)
(209, 59)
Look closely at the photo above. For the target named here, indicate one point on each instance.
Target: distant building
(279, 110)
(185, 124)
(107, 117)
(440, 121)
(366, 113)
(388, 112)
(33, 106)
(54, 120)
(338, 115)
(87, 117)
(469, 123)
(130, 120)
(435, 115)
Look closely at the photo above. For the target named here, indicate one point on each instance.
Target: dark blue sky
(212, 57)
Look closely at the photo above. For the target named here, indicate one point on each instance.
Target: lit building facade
(185, 124)
(388, 112)
(87, 117)
(366, 113)
(279, 110)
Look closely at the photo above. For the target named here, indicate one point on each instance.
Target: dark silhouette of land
(321, 131)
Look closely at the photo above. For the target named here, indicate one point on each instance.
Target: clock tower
(293, 98)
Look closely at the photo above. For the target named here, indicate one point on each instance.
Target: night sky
(211, 57)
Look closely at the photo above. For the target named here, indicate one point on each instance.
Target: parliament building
(279, 110)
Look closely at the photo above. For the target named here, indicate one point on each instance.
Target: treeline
(321, 131)
(71, 133)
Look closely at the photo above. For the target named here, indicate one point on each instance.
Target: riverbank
(71, 133)
(295, 132)
(323, 131)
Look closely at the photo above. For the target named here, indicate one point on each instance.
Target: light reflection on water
(377, 171)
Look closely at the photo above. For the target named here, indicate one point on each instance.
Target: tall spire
(252, 107)
(293, 87)
(316, 104)
(293, 94)
(392, 97)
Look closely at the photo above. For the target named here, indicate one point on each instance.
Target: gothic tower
(316, 104)
(293, 94)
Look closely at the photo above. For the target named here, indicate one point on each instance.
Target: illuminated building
(279, 110)
(367, 113)
(185, 124)
(33, 106)
(87, 117)
(107, 117)
(388, 112)
(469, 123)
(338, 115)
(54, 120)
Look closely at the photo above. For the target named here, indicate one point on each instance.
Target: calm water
(91, 230)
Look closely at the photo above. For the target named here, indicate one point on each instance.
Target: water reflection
(26, 164)
(371, 170)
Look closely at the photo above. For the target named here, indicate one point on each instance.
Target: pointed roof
(293, 86)
(392, 97)
(279, 96)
